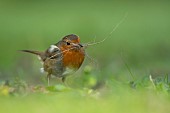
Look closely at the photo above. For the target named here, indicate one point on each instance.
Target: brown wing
(53, 52)
(53, 62)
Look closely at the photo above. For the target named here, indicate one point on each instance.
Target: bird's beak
(80, 45)
(77, 45)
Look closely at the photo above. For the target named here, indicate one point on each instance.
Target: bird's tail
(40, 54)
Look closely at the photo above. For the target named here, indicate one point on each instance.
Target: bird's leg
(48, 79)
(63, 79)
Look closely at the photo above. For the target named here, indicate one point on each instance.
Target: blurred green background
(141, 45)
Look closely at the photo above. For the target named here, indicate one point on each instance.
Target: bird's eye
(68, 43)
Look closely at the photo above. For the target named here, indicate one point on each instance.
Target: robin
(62, 58)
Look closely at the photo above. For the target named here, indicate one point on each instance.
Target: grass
(139, 48)
(145, 95)
(142, 103)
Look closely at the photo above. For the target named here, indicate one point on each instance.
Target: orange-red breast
(62, 58)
